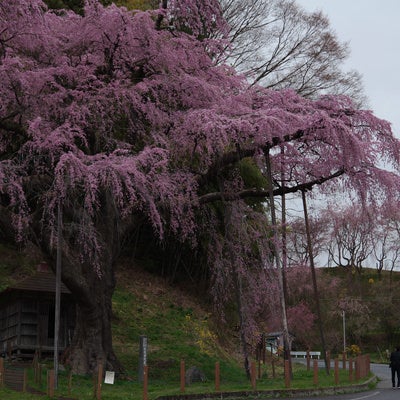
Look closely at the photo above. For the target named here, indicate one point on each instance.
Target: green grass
(83, 387)
(12, 395)
(177, 328)
(175, 332)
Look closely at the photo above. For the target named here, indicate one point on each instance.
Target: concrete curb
(277, 393)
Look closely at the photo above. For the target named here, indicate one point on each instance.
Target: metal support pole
(58, 295)
(344, 331)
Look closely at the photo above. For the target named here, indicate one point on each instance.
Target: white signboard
(109, 378)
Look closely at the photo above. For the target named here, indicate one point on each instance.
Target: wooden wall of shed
(27, 323)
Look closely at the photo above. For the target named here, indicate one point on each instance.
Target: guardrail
(303, 354)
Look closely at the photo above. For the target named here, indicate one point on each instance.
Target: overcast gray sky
(372, 29)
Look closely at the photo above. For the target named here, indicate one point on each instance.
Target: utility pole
(58, 294)
(279, 266)
(314, 279)
(344, 331)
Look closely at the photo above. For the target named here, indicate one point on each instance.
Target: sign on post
(109, 378)
(142, 357)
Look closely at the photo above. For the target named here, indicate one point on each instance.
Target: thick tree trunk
(92, 339)
(92, 286)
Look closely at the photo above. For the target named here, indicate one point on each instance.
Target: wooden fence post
(50, 383)
(315, 372)
(145, 382)
(182, 372)
(350, 369)
(253, 375)
(35, 365)
(364, 366)
(69, 383)
(273, 367)
(336, 371)
(25, 380)
(308, 360)
(217, 377)
(357, 368)
(287, 373)
(99, 381)
(328, 359)
(1, 371)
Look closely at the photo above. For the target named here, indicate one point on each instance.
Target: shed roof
(41, 281)
(273, 335)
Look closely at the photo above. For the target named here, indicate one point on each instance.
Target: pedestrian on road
(395, 367)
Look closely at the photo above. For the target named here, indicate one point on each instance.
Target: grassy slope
(178, 326)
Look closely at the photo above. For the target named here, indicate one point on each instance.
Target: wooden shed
(274, 341)
(27, 310)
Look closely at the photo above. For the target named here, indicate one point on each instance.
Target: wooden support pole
(182, 375)
(253, 375)
(69, 383)
(57, 301)
(1, 371)
(35, 365)
(145, 382)
(287, 373)
(308, 360)
(50, 383)
(363, 373)
(25, 380)
(99, 381)
(357, 368)
(217, 377)
(361, 359)
(263, 347)
(273, 367)
(315, 370)
(350, 369)
(328, 361)
(336, 371)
